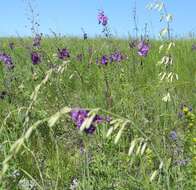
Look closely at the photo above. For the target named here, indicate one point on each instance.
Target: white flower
(167, 98)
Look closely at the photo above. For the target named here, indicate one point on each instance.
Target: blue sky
(68, 16)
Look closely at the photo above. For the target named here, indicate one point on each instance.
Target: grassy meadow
(40, 145)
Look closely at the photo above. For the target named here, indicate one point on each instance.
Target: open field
(43, 147)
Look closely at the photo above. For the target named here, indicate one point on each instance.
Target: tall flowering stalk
(167, 74)
(103, 20)
(9, 75)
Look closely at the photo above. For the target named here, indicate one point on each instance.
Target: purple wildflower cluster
(143, 48)
(102, 18)
(113, 57)
(116, 57)
(35, 57)
(7, 60)
(63, 53)
(79, 116)
(104, 60)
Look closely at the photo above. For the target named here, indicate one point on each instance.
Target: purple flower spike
(143, 48)
(102, 19)
(63, 53)
(35, 58)
(7, 60)
(104, 60)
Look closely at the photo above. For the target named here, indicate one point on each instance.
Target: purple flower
(7, 60)
(37, 40)
(36, 58)
(117, 57)
(173, 135)
(63, 53)
(79, 115)
(90, 130)
(98, 119)
(104, 60)
(143, 48)
(102, 19)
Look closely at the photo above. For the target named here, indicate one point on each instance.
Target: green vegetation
(55, 156)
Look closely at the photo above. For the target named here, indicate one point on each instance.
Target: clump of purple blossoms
(79, 115)
(143, 48)
(116, 57)
(63, 53)
(7, 60)
(104, 60)
(35, 58)
(102, 18)
(37, 40)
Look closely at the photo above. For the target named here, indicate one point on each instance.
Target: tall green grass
(51, 157)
